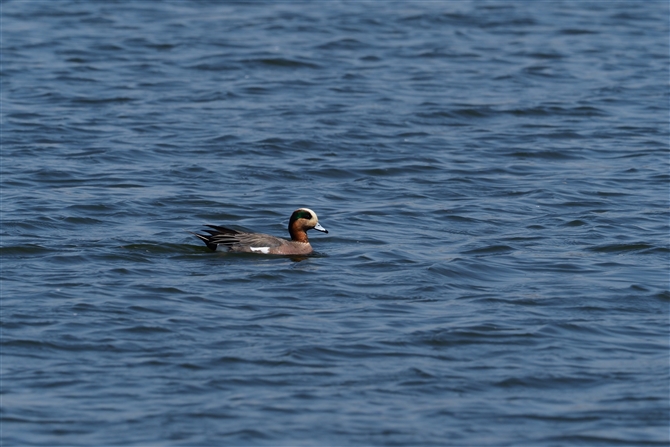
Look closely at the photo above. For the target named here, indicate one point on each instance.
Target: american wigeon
(302, 220)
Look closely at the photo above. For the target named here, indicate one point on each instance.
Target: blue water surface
(494, 176)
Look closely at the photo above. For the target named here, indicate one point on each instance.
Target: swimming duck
(302, 220)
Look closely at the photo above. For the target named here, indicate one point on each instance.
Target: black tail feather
(219, 235)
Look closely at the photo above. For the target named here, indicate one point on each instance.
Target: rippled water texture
(493, 175)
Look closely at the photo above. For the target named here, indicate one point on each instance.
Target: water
(494, 177)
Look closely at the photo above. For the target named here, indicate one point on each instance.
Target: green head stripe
(301, 215)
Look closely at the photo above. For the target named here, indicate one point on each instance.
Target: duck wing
(238, 240)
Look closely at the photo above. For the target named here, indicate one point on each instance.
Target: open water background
(494, 176)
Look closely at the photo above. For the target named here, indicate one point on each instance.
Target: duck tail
(205, 239)
(219, 235)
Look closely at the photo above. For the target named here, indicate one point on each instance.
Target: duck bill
(318, 227)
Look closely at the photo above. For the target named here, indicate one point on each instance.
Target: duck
(301, 221)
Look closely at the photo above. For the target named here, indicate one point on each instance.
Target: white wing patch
(265, 250)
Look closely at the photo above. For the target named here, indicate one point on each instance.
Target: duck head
(302, 220)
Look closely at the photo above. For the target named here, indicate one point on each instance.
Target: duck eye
(302, 215)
